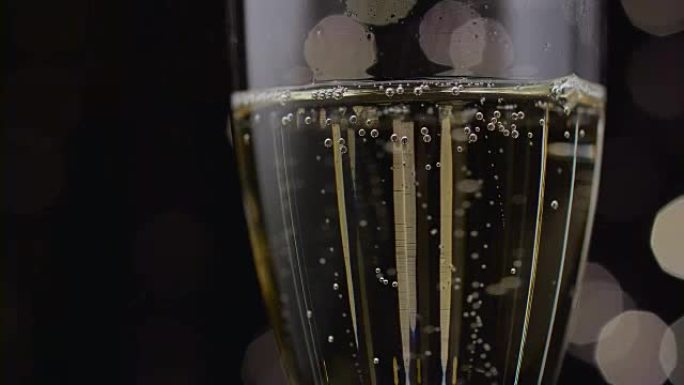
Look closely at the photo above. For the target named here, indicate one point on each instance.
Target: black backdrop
(127, 255)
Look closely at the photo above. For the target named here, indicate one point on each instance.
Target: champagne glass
(419, 181)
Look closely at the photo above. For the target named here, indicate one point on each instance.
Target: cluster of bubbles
(335, 93)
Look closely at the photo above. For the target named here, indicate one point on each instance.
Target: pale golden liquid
(424, 232)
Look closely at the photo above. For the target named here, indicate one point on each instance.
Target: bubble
(395, 284)
(369, 122)
(394, 137)
(497, 114)
(343, 149)
(506, 132)
(376, 360)
(353, 119)
(328, 122)
(554, 204)
(400, 90)
(341, 141)
(428, 167)
(472, 138)
(331, 339)
(459, 149)
(378, 270)
(582, 133)
(427, 138)
(530, 135)
(321, 261)
(515, 134)
(566, 134)
(477, 128)
(335, 286)
(542, 122)
(467, 130)
(389, 92)
(404, 140)
(309, 314)
(433, 232)
(328, 142)
(438, 165)
(418, 91)
(474, 256)
(513, 270)
(285, 120)
(308, 120)
(424, 130)
(514, 116)
(455, 91)
(374, 133)
(478, 115)
(362, 132)
(491, 126)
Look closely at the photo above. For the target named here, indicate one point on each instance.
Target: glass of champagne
(419, 181)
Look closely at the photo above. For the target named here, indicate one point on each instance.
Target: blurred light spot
(379, 12)
(629, 348)
(677, 375)
(667, 238)
(261, 365)
(481, 47)
(655, 77)
(657, 17)
(468, 186)
(567, 150)
(339, 48)
(503, 286)
(599, 300)
(437, 25)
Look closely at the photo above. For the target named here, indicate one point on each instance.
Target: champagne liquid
(422, 232)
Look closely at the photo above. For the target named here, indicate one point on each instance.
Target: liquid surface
(423, 232)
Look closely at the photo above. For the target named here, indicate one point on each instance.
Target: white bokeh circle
(667, 238)
(677, 375)
(481, 47)
(657, 17)
(600, 299)
(437, 25)
(630, 348)
(338, 47)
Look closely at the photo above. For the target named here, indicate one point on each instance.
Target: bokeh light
(629, 351)
(600, 299)
(261, 365)
(677, 375)
(657, 17)
(481, 47)
(338, 47)
(437, 25)
(667, 240)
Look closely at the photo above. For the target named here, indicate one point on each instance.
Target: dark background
(127, 255)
